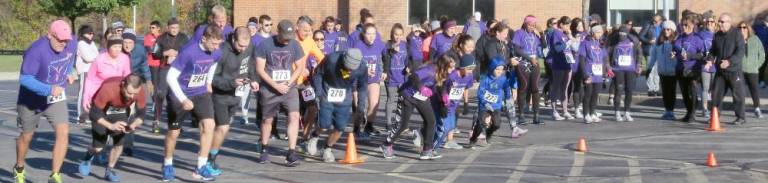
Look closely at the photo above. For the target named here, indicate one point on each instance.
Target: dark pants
(751, 80)
(689, 87)
(405, 107)
(576, 89)
(733, 81)
(161, 90)
(489, 129)
(624, 83)
(668, 91)
(590, 97)
(528, 86)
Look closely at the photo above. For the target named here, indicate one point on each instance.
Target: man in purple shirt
(190, 79)
(265, 31)
(43, 80)
(218, 18)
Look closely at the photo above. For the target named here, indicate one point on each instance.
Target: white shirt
(86, 53)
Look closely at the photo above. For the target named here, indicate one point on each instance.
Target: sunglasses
(722, 21)
(319, 39)
(267, 25)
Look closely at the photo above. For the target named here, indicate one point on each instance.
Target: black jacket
(728, 46)
(166, 42)
(233, 65)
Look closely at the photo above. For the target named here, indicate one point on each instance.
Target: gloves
(610, 73)
(446, 100)
(425, 91)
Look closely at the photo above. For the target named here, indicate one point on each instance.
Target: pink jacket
(102, 69)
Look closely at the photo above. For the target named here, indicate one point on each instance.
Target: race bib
(419, 96)
(58, 98)
(308, 94)
(597, 69)
(569, 57)
(490, 98)
(456, 93)
(281, 75)
(112, 111)
(242, 90)
(197, 80)
(625, 60)
(336, 95)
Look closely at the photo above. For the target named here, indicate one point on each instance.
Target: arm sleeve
(643, 38)
(31, 83)
(211, 72)
(481, 91)
(738, 52)
(582, 68)
(638, 56)
(157, 49)
(173, 83)
(317, 79)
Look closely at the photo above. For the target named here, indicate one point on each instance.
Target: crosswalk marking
(694, 174)
(522, 166)
(757, 176)
(462, 167)
(634, 171)
(577, 167)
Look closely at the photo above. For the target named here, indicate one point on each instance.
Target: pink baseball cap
(61, 30)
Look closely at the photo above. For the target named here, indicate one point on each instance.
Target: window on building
(460, 10)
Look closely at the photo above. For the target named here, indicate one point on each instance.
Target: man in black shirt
(727, 51)
(166, 48)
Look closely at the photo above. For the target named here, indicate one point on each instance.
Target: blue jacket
(662, 56)
(493, 88)
(329, 76)
(139, 62)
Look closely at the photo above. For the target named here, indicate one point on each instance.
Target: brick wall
(385, 12)
(515, 10)
(740, 9)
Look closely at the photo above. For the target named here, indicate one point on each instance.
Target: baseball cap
(353, 58)
(467, 61)
(285, 30)
(118, 25)
(434, 25)
(60, 30)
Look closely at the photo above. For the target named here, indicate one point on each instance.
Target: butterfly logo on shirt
(281, 59)
(530, 42)
(58, 68)
(201, 67)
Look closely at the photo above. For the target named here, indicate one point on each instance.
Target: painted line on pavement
(576, 168)
(522, 166)
(635, 175)
(694, 174)
(462, 167)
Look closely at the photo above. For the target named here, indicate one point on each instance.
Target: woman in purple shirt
(708, 71)
(576, 88)
(441, 43)
(594, 68)
(690, 52)
(396, 66)
(526, 43)
(562, 57)
(372, 51)
(625, 56)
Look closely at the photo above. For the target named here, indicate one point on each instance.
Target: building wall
(515, 10)
(740, 9)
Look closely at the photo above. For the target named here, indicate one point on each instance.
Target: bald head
(725, 22)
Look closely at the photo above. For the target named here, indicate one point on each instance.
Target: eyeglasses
(319, 39)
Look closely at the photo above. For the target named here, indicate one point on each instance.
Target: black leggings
(751, 80)
(528, 86)
(668, 90)
(161, 90)
(732, 81)
(689, 87)
(590, 97)
(576, 89)
(480, 125)
(624, 80)
(559, 83)
(405, 106)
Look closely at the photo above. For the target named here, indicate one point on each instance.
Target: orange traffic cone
(714, 121)
(582, 145)
(351, 157)
(711, 161)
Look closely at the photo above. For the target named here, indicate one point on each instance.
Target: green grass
(10, 63)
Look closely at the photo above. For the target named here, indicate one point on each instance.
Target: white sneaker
(328, 156)
(628, 117)
(619, 118)
(588, 119)
(557, 116)
(596, 118)
(598, 114)
(517, 132)
(579, 115)
(312, 146)
(452, 145)
(568, 116)
(417, 138)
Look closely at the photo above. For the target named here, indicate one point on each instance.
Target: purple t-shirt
(372, 57)
(331, 39)
(527, 41)
(397, 65)
(354, 39)
(279, 58)
(201, 29)
(47, 67)
(257, 39)
(594, 55)
(456, 86)
(426, 75)
(441, 44)
(558, 59)
(693, 45)
(624, 56)
(194, 63)
(706, 37)
(414, 47)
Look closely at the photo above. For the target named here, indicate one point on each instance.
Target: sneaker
(168, 173)
(739, 121)
(456, 131)
(588, 119)
(328, 156)
(20, 177)
(758, 113)
(362, 136)
(598, 114)
(610, 100)
(484, 143)
(557, 116)
(538, 121)
(156, 128)
(215, 169)
(435, 155)
(203, 173)
(481, 136)
(452, 145)
(292, 160)
(706, 113)
(263, 158)
(55, 178)
(619, 118)
(387, 151)
(596, 118)
(85, 167)
(669, 115)
(688, 118)
(312, 146)
(628, 117)
(517, 132)
(579, 115)
(568, 116)
(416, 138)
(426, 155)
(111, 175)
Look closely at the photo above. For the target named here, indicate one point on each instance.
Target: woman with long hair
(561, 58)
(753, 59)
(625, 57)
(576, 88)
(667, 65)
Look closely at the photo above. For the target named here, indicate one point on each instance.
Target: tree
(71, 9)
